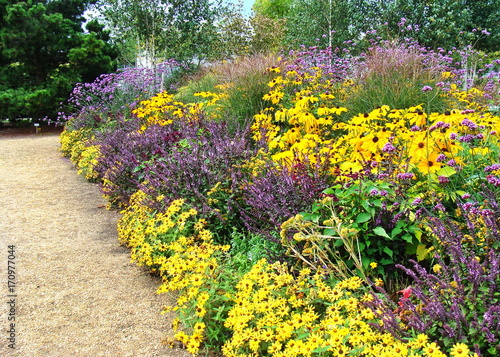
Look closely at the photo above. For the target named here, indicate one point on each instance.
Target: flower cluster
(178, 246)
(277, 314)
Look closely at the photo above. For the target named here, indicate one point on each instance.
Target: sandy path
(77, 293)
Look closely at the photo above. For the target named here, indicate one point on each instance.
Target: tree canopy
(436, 23)
(163, 29)
(44, 52)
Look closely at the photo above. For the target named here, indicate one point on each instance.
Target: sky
(247, 5)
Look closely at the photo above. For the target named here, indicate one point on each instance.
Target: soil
(76, 291)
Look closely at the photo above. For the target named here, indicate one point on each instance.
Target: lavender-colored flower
(416, 201)
(470, 124)
(441, 158)
(491, 168)
(467, 138)
(426, 88)
(443, 180)
(494, 180)
(389, 148)
(451, 163)
(405, 176)
(440, 207)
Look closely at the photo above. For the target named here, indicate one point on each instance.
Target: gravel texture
(77, 292)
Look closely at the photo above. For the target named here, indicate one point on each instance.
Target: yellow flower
(429, 165)
(274, 348)
(373, 265)
(436, 268)
(459, 350)
(420, 341)
(432, 350)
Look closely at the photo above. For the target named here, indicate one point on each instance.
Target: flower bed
(313, 229)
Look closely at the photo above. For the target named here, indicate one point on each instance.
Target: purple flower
(470, 124)
(405, 176)
(426, 88)
(467, 138)
(416, 201)
(494, 180)
(451, 163)
(491, 168)
(443, 180)
(389, 148)
(440, 207)
(441, 158)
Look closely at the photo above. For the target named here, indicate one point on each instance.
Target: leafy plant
(356, 225)
(459, 300)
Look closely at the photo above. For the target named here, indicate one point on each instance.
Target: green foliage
(247, 249)
(446, 23)
(355, 225)
(44, 53)
(163, 29)
(322, 23)
(274, 9)
(268, 34)
(234, 33)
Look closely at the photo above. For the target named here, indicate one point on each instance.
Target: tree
(447, 23)
(164, 29)
(268, 34)
(44, 53)
(274, 9)
(319, 22)
(234, 33)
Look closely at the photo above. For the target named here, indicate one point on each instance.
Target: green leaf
(408, 238)
(446, 171)
(396, 231)
(388, 251)
(322, 349)
(363, 217)
(418, 234)
(381, 232)
(331, 190)
(311, 217)
(330, 232)
(366, 205)
(422, 252)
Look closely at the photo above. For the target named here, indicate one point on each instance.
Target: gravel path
(77, 293)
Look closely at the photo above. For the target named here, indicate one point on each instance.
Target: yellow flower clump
(75, 144)
(88, 161)
(277, 314)
(302, 123)
(159, 109)
(177, 245)
(163, 109)
(420, 138)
